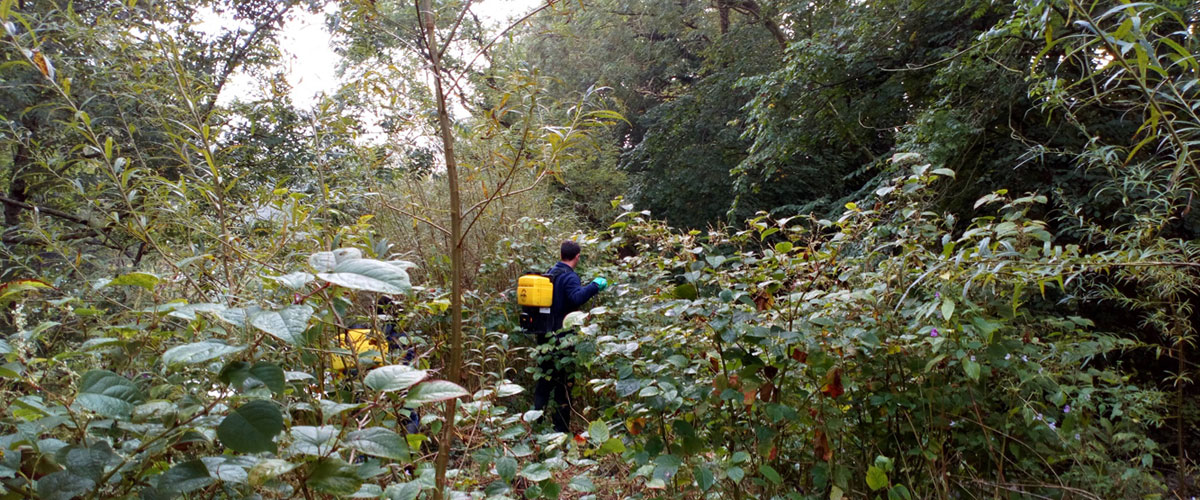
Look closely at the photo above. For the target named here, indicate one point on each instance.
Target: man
(569, 295)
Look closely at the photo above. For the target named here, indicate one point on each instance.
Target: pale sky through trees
(310, 62)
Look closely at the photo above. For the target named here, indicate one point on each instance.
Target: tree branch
(45, 210)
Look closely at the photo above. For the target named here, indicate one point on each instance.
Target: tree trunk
(456, 255)
(17, 187)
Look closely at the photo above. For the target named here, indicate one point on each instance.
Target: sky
(310, 64)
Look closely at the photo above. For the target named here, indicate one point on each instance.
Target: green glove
(601, 283)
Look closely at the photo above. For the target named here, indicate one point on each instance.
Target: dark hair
(569, 250)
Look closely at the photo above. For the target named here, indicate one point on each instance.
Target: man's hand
(601, 283)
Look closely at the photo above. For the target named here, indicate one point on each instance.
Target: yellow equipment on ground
(358, 340)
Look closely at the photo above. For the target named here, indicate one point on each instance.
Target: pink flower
(933, 333)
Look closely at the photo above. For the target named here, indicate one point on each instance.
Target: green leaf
(144, 280)
(735, 474)
(270, 375)
(506, 468)
(899, 492)
(784, 247)
(316, 441)
(370, 276)
(685, 291)
(269, 468)
(582, 484)
(63, 485)
(243, 376)
(536, 472)
(403, 491)
(333, 477)
(393, 378)
(185, 478)
(89, 462)
(613, 445)
(108, 394)
(197, 352)
(769, 472)
(704, 477)
(434, 391)
(876, 478)
(378, 442)
(11, 289)
(286, 324)
(947, 308)
(252, 427)
(294, 281)
(327, 261)
(598, 432)
(972, 369)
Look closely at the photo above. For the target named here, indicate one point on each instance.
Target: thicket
(890, 249)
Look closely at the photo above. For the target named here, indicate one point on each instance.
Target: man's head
(569, 252)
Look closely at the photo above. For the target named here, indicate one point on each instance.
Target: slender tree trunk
(17, 187)
(456, 255)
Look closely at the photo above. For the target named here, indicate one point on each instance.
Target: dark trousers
(554, 382)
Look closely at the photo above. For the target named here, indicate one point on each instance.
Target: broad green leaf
(506, 468)
(770, 473)
(393, 378)
(12, 289)
(704, 477)
(333, 477)
(582, 484)
(269, 468)
(685, 291)
(63, 485)
(598, 432)
(197, 352)
(188, 311)
(185, 478)
(784, 247)
(370, 276)
(508, 389)
(536, 472)
(327, 261)
(269, 374)
(310, 440)
(287, 324)
(613, 445)
(947, 308)
(899, 492)
(434, 391)
(88, 462)
(735, 474)
(378, 442)
(252, 427)
(876, 478)
(294, 281)
(144, 280)
(229, 469)
(403, 491)
(108, 394)
(972, 369)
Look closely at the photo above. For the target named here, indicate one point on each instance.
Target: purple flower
(1067, 409)
(1052, 426)
(937, 295)
(933, 332)
(972, 357)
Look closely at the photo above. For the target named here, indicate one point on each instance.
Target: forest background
(894, 249)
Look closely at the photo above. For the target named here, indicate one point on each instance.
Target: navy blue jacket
(569, 294)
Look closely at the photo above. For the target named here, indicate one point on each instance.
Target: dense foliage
(895, 249)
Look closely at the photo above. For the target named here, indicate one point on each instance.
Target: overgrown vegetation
(859, 250)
